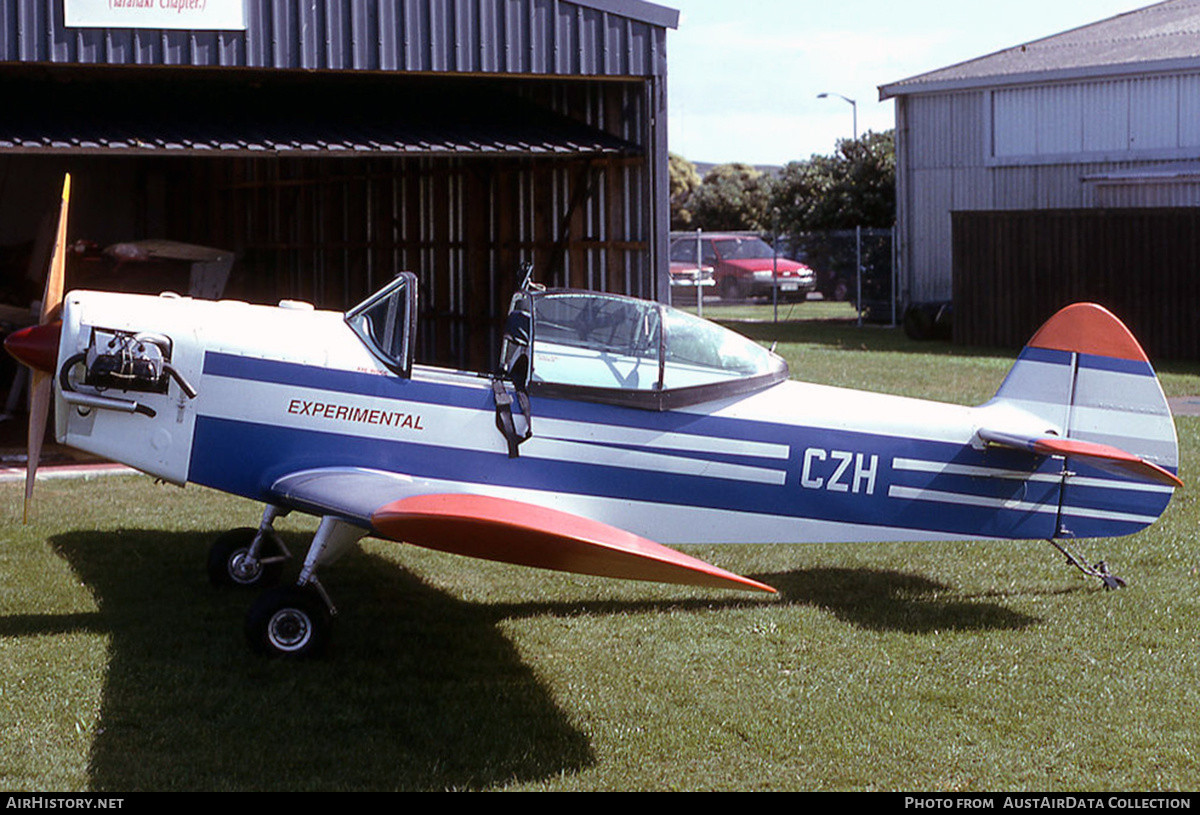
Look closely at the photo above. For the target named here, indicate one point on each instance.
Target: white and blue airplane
(612, 427)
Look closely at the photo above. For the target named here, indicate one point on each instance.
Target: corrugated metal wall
(1050, 146)
(940, 168)
(1148, 190)
(1139, 115)
(550, 37)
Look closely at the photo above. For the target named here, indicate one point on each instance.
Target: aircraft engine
(127, 361)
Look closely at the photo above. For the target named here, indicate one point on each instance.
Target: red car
(687, 280)
(746, 266)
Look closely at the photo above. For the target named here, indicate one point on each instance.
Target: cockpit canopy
(591, 346)
(608, 348)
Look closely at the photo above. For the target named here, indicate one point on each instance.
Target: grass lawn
(939, 666)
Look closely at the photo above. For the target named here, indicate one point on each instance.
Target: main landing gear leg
(249, 557)
(294, 621)
(1100, 570)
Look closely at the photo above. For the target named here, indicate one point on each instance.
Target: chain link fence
(833, 256)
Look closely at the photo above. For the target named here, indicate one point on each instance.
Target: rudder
(1086, 378)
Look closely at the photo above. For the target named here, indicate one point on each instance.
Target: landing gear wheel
(1100, 570)
(292, 622)
(229, 564)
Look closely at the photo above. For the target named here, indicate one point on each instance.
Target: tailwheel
(289, 621)
(231, 561)
(1100, 570)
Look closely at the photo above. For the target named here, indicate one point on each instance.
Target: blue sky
(744, 74)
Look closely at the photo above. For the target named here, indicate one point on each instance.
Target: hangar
(1058, 170)
(330, 144)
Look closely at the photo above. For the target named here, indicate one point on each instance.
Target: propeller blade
(55, 280)
(39, 409)
(41, 383)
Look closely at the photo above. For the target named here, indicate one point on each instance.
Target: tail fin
(1084, 389)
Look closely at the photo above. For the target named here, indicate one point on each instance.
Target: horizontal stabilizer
(1101, 455)
(530, 535)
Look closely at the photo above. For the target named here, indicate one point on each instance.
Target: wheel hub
(289, 629)
(243, 568)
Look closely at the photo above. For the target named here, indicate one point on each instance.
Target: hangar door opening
(459, 181)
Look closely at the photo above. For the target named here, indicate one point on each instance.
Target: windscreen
(605, 341)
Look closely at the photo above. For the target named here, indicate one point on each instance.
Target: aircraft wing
(1103, 456)
(401, 508)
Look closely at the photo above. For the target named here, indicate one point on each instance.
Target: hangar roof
(324, 78)
(1162, 37)
(615, 38)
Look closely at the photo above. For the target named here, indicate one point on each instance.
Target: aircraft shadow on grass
(873, 599)
(886, 600)
(422, 692)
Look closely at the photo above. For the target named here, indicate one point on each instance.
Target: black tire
(841, 291)
(730, 290)
(290, 622)
(226, 561)
(918, 323)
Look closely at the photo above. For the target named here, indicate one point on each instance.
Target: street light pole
(858, 228)
(853, 104)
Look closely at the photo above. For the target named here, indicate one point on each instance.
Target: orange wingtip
(1088, 328)
(529, 535)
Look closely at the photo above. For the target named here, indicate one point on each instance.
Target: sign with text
(197, 15)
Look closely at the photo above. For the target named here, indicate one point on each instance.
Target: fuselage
(283, 390)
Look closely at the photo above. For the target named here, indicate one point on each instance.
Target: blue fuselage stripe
(246, 459)
(829, 475)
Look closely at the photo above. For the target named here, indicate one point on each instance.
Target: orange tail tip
(1088, 328)
(530, 535)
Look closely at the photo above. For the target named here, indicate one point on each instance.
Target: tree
(854, 187)
(684, 181)
(732, 197)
